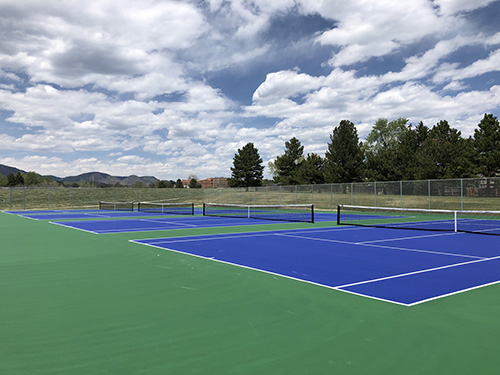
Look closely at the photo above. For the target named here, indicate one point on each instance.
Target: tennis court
(78, 214)
(394, 266)
(164, 222)
(249, 297)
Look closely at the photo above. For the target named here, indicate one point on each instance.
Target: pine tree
(487, 145)
(450, 154)
(344, 157)
(287, 165)
(247, 168)
(310, 170)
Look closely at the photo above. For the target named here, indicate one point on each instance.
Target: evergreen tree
(344, 157)
(178, 184)
(310, 170)
(487, 146)
(287, 165)
(412, 161)
(15, 179)
(247, 169)
(451, 155)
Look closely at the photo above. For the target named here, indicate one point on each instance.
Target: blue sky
(174, 88)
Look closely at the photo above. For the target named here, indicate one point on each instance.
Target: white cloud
(127, 79)
(455, 6)
(477, 68)
(378, 28)
(285, 84)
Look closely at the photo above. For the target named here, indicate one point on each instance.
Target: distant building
(214, 182)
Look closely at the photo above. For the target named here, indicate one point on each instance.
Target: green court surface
(78, 303)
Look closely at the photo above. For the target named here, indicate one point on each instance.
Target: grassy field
(444, 194)
(78, 303)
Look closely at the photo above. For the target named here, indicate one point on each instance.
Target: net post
(338, 214)
(312, 213)
(192, 209)
(455, 220)
(204, 209)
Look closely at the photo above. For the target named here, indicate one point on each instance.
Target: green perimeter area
(80, 303)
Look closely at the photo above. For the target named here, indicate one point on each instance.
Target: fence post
(401, 192)
(429, 192)
(331, 196)
(462, 194)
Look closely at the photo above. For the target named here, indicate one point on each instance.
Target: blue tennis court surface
(157, 223)
(165, 222)
(81, 214)
(76, 215)
(392, 265)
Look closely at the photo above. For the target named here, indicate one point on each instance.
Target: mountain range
(96, 178)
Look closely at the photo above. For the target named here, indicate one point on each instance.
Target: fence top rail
(389, 182)
(399, 209)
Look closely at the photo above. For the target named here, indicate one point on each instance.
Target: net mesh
(482, 222)
(293, 212)
(116, 206)
(185, 208)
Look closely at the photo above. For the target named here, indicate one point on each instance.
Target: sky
(174, 88)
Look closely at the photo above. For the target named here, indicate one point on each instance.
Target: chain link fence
(457, 194)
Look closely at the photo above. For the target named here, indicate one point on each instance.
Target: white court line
(201, 238)
(417, 272)
(168, 222)
(264, 271)
(69, 226)
(453, 293)
(407, 238)
(382, 246)
(129, 230)
(97, 215)
(340, 288)
(424, 271)
(27, 217)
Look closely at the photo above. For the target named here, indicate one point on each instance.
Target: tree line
(393, 151)
(35, 179)
(25, 179)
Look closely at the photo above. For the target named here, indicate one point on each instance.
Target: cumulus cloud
(133, 81)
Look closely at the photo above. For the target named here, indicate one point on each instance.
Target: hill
(104, 179)
(5, 170)
(95, 178)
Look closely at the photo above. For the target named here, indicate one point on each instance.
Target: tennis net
(293, 212)
(116, 206)
(185, 208)
(482, 222)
